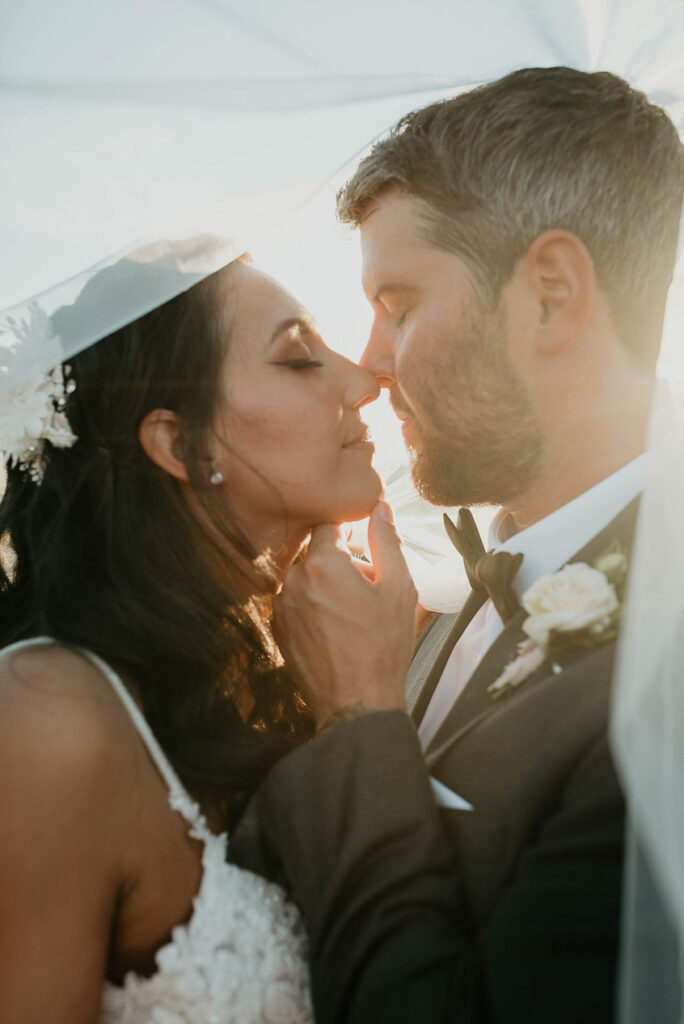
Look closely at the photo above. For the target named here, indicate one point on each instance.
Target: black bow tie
(492, 572)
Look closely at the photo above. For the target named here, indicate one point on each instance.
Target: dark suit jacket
(507, 913)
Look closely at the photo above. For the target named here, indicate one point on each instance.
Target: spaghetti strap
(179, 798)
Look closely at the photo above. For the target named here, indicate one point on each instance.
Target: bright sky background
(122, 119)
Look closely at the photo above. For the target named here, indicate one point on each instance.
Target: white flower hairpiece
(31, 415)
(33, 412)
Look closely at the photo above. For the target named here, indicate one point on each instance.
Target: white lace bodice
(240, 959)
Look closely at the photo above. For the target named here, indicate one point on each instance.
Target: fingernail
(385, 512)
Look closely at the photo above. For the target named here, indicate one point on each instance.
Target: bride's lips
(361, 440)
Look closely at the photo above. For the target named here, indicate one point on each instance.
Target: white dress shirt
(546, 546)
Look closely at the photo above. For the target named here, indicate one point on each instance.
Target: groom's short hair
(543, 148)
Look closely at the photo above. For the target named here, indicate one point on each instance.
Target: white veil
(120, 118)
(161, 269)
(648, 718)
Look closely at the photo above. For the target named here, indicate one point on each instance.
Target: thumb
(385, 546)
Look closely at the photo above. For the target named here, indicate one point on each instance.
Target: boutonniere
(578, 606)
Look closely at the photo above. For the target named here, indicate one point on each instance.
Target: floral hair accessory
(32, 414)
(578, 606)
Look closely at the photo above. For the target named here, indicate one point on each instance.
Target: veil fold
(647, 724)
(648, 733)
(158, 271)
(116, 117)
(119, 119)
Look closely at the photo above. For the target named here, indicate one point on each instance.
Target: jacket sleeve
(349, 823)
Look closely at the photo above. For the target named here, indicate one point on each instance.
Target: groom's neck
(583, 449)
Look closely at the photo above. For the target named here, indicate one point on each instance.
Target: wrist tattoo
(345, 714)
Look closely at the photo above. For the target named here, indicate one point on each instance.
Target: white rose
(576, 597)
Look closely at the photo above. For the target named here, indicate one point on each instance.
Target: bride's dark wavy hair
(107, 553)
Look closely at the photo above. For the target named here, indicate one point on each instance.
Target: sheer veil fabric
(121, 120)
(153, 273)
(648, 734)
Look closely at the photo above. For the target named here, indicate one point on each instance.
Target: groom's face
(442, 350)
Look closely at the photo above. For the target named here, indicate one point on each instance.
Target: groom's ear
(561, 276)
(159, 437)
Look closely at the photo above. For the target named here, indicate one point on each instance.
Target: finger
(323, 537)
(356, 537)
(385, 547)
(365, 568)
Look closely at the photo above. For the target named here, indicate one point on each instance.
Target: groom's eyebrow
(392, 287)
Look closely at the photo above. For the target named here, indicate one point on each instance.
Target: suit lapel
(424, 656)
(475, 702)
(475, 699)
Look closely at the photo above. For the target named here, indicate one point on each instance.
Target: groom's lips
(399, 411)
(409, 429)
(401, 414)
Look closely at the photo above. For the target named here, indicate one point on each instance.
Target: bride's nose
(362, 387)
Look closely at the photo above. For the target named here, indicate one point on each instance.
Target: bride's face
(290, 442)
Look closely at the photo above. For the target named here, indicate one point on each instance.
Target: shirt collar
(548, 544)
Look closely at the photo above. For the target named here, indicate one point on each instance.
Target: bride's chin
(364, 502)
(283, 550)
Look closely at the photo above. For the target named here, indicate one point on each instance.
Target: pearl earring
(216, 477)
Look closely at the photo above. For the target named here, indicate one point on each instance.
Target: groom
(518, 242)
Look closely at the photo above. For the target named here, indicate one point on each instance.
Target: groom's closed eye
(395, 300)
(397, 315)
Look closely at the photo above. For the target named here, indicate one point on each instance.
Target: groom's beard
(480, 443)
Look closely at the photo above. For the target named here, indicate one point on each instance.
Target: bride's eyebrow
(305, 325)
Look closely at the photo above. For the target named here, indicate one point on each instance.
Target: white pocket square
(445, 797)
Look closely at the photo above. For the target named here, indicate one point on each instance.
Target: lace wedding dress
(240, 959)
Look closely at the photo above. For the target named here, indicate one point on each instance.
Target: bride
(181, 463)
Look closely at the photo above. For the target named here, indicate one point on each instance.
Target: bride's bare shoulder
(52, 672)
(68, 825)
(61, 724)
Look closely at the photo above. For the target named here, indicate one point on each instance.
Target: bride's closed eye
(295, 353)
(302, 362)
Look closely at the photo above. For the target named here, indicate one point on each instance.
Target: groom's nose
(378, 357)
